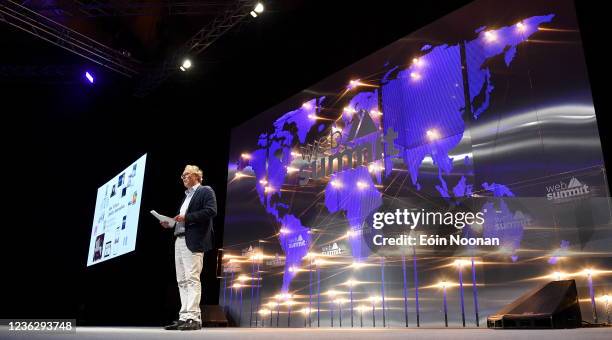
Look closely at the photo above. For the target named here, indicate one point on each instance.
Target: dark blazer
(199, 234)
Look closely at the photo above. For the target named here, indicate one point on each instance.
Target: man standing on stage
(193, 229)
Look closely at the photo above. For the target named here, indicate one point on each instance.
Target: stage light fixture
(186, 65)
(89, 76)
(443, 284)
(589, 274)
(259, 8)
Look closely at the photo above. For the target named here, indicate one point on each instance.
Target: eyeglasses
(183, 176)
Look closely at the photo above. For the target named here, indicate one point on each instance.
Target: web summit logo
(562, 190)
(297, 242)
(331, 250)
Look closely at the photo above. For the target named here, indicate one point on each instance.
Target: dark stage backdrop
(488, 108)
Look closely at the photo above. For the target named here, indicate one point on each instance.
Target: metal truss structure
(16, 14)
(108, 8)
(199, 42)
(27, 20)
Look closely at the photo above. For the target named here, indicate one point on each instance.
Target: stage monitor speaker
(213, 316)
(553, 305)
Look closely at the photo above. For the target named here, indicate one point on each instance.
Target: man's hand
(179, 218)
(165, 224)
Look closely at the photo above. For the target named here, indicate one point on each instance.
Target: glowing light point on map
(336, 184)
(374, 168)
(415, 75)
(490, 36)
(263, 182)
(348, 111)
(353, 84)
(362, 185)
(284, 231)
(245, 156)
(521, 27)
(432, 134)
(307, 106)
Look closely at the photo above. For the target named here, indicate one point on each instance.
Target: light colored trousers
(188, 269)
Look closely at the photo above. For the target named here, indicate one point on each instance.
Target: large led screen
(461, 163)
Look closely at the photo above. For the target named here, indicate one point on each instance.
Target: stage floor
(146, 333)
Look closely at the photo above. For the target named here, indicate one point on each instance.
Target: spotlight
(89, 77)
(186, 65)
(259, 8)
(245, 156)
